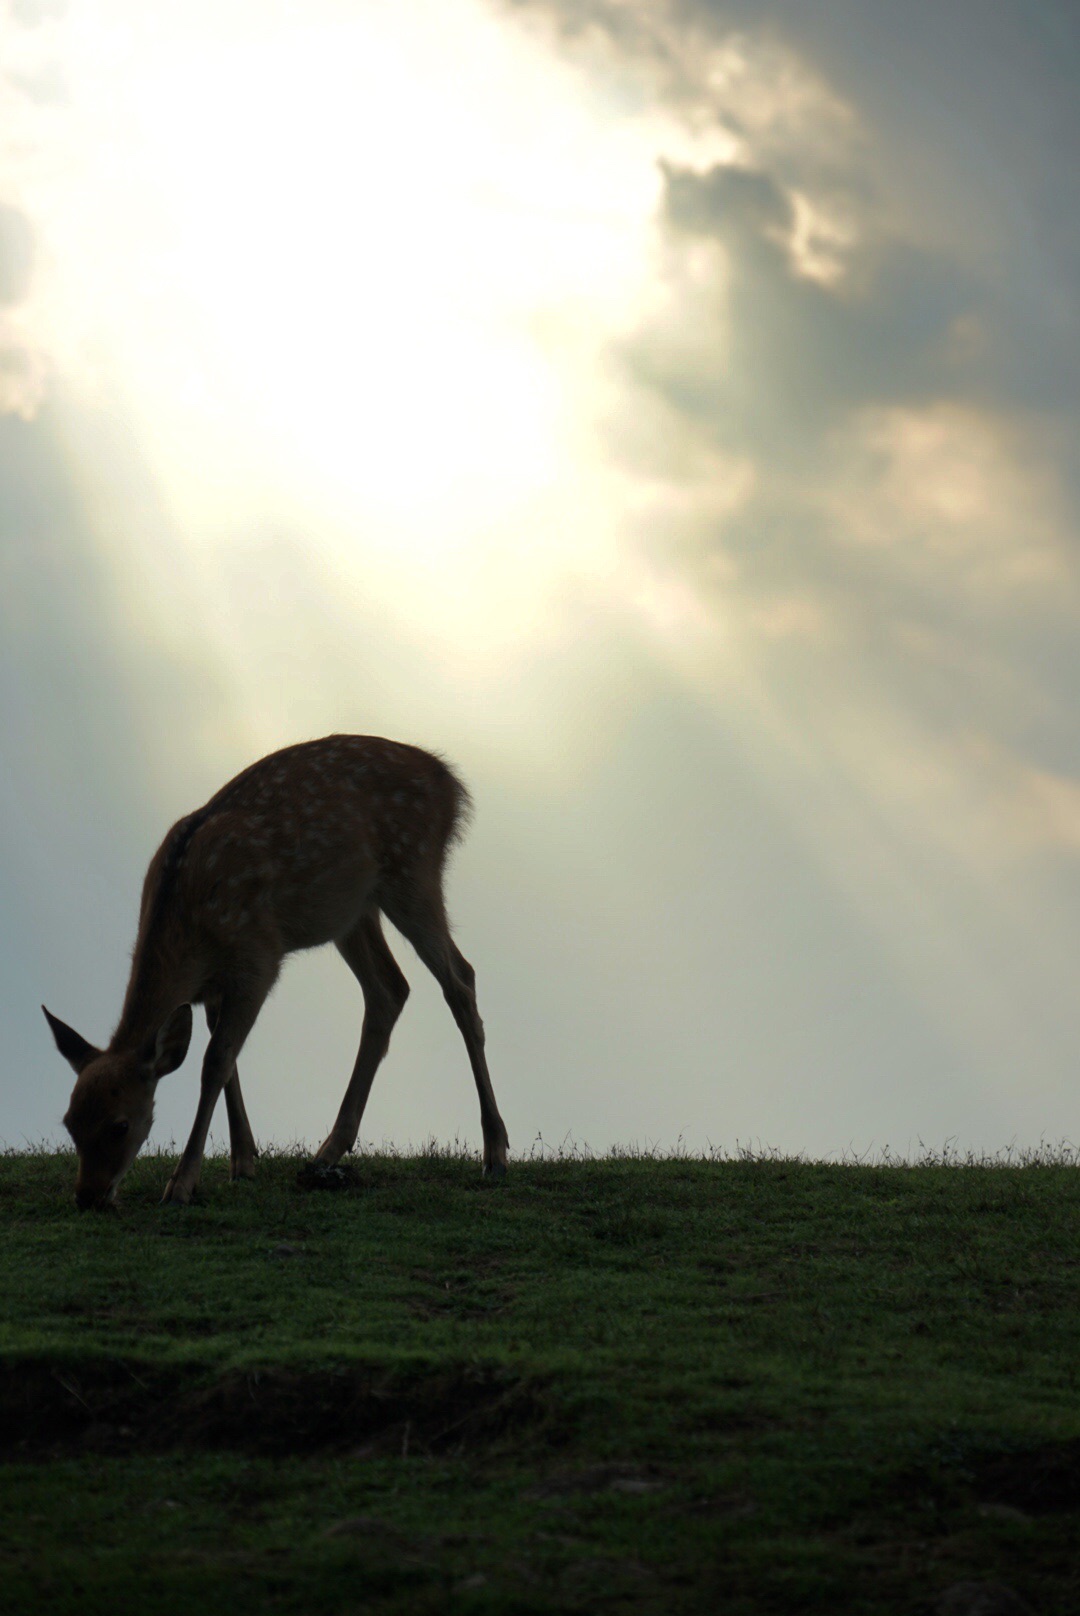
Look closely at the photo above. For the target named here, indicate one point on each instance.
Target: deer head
(112, 1104)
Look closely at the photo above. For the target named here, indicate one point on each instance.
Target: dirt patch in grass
(113, 1407)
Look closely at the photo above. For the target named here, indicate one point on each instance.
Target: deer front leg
(242, 1147)
(231, 1026)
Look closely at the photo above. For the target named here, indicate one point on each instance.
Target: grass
(627, 1384)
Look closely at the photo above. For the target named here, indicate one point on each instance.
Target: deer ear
(164, 1053)
(75, 1050)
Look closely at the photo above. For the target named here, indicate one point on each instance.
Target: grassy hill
(619, 1385)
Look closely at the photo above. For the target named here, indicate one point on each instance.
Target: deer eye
(119, 1129)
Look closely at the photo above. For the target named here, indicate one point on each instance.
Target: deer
(313, 844)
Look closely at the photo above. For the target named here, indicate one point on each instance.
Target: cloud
(852, 393)
(878, 461)
(953, 135)
(16, 254)
(788, 351)
(32, 13)
(1039, 807)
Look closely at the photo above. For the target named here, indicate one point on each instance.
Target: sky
(669, 410)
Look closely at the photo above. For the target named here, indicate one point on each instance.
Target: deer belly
(320, 909)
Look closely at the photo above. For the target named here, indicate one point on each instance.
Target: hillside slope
(620, 1385)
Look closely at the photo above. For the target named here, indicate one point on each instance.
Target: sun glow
(348, 274)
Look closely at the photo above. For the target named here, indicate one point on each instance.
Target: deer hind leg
(242, 1147)
(385, 989)
(235, 1019)
(422, 919)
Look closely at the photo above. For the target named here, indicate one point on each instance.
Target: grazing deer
(307, 846)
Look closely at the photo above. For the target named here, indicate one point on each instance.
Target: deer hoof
(176, 1194)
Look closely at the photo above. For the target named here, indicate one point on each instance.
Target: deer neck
(159, 983)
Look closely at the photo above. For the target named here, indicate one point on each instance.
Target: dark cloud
(736, 202)
(872, 316)
(790, 352)
(962, 62)
(784, 370)
(965, 127)
(937, 148)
